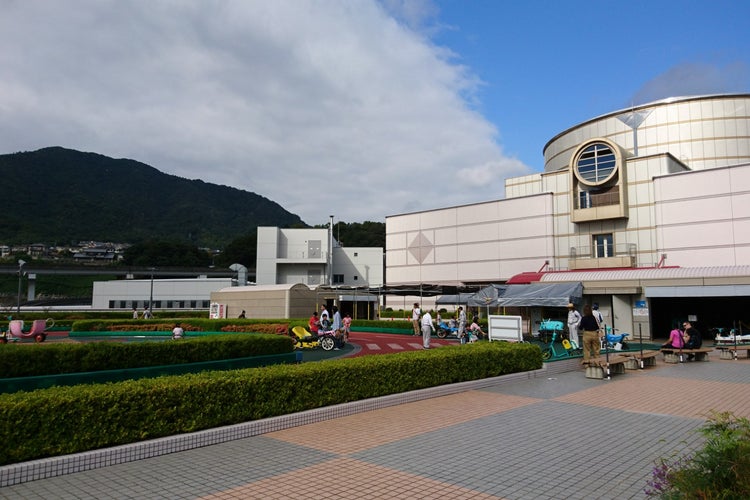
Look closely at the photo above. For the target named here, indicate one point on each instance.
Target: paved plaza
(548, 435)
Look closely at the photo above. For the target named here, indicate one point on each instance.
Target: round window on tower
(595, 164)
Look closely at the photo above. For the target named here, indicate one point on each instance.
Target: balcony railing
(587, 199)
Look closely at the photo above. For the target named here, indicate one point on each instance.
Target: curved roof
(661, 102)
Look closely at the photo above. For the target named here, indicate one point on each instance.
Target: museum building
(647, 207)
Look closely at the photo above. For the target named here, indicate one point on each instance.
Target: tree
(158, 253)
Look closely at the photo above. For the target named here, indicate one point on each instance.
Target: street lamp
(151, 296)
(21, 263)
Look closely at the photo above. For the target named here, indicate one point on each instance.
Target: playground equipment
(304, 339)
(550, 328)
(551, 352)
(615, 341)
(38, 330)
(444, 329)
(325, 338)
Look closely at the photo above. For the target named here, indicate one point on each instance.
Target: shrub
(62, 420)
(57, 358)
(719, 470)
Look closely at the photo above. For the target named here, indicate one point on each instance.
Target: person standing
(347, 326)
(416, 312)
(598, 315)
(693, 338)
(338, 331)
(146, 313)
(325, 319)
(135, 313)
(574, 318)
(427, 329)
(591, 344)
(462, 324)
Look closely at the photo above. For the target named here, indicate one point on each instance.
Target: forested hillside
(56, 196)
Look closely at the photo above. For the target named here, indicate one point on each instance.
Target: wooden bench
(730, 351)
(639, 360)
(599, 371)
(681, 355)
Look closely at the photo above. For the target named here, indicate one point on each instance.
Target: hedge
(25, 360)
(63, 420)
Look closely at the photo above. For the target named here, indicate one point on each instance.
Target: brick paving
(555, 434)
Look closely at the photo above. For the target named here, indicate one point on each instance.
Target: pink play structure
(38, 330)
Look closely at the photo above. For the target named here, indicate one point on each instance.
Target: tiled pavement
(546, 435)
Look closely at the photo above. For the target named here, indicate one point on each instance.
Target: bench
(680, 355)
(599, 371)
(643, 359)
(730, 351)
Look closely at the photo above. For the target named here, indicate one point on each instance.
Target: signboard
(640, 311)
(217, 311)
(508, 328)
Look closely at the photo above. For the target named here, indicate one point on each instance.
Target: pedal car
(304, 339)
(444, 329)
(38, 330)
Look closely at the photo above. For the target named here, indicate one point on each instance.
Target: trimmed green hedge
(24, 360)
(64, 420)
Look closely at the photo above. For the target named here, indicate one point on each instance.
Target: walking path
(550, 434)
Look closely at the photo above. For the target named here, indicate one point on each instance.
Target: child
(347, 326)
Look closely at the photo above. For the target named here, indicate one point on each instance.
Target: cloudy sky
(354, 108)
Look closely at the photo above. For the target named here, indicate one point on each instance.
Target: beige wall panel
(478, 233)
(702, 257)
(395, 257)
(479, 271)
(478, 213)
(446, 236)
(445, 254)
(741, 231)
(437, 218)
(479, 251)
(695, 210)
(395, 241)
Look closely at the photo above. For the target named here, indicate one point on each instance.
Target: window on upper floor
(603, 246)
(338, 278)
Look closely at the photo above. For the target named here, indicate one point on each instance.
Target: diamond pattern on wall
(421, 247)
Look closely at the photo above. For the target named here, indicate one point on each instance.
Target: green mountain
(58, 196)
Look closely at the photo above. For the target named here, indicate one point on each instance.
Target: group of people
(146, 313)
(686, 338)
(341, 327)
(591, 323)
(424, 325)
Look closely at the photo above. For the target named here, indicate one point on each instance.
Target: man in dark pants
(692, 338)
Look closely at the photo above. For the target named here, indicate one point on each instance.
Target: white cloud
(327, 107)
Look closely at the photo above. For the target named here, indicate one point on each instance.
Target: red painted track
(368, 343)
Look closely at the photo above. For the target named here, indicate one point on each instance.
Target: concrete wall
(272, 301)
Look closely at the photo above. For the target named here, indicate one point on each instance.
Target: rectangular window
(603, 246)
(584, 199)
(338, 278)
(314, 249)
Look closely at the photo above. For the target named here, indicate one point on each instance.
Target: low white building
(314, 257)
(166, 293)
